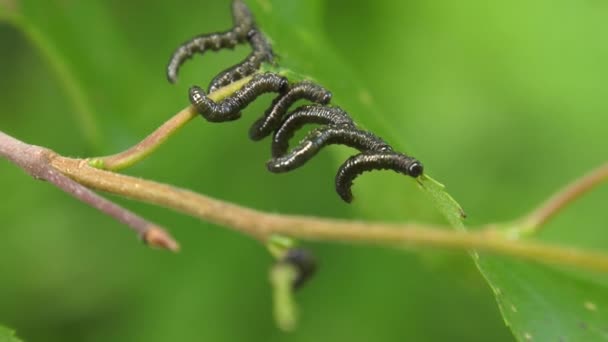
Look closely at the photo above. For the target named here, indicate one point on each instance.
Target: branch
(35, 161)
(534, 221)
(153, 141)
(261, 225)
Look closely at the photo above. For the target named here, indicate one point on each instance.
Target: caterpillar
(244, 30)
(375, 153)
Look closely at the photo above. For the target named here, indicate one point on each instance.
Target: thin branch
(262, 225)
(534, 221)
(145, 147)
(153, 141)
(35, 161)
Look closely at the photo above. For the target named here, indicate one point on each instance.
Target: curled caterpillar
(230, 108)
(264, 126)
(244, 30)
(383, 160)
(261, 53)
(375, 153)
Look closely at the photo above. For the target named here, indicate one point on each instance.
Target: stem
(145, 147)
(153, 141)
(35, 161)
(534, 221)
(262, 225)
(285, 309)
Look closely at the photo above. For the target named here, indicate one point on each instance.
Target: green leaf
(567, 308)
(537, 302)
(7, 335)
(445, 203)
(11, 12)
(497, 99)
(542, 304)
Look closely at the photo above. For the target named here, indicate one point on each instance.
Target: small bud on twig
(157, 237)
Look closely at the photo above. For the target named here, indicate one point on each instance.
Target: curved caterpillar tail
(243, 31)
(262, 52)
(320, 137)
(305, 90)
(310, 114)
(356, 165)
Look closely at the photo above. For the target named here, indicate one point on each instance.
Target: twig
(145, 147)
(35, 161)
(262, 225)
(534, 222)
(285, 308)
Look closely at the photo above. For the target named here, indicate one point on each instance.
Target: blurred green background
(502, 101)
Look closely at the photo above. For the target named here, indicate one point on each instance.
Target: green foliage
(446, 204)
(7, 335)
(542, 304)
(498, 99)
(536, 303)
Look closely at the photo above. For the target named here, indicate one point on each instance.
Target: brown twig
(262, 225)
(35, 160)
(535, 220)
(153, 141)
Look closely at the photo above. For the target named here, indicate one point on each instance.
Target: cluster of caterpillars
(375, 153)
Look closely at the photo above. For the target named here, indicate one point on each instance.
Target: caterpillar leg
(356, 165)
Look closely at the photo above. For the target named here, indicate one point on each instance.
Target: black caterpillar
(244, 30)
(375, 153)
